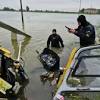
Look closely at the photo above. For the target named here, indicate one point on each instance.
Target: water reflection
(15, 44)
(58, 51)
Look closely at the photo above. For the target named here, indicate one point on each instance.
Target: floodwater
(39, 26)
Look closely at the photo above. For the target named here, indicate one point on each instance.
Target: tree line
(12, 9)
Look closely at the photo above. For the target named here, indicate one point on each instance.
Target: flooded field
(39, 26)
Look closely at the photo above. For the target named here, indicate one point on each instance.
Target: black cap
(54, 30)
(81, 19)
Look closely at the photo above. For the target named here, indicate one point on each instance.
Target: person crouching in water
(55, 40)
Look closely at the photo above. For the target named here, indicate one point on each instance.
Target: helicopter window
(87, 66)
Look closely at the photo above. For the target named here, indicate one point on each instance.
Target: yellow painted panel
(6, 52)
(4, 86)
(67, 67)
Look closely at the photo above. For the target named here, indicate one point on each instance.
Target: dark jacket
(86, 34)
(55, 41)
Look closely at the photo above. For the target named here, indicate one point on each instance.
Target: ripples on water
(39, 26)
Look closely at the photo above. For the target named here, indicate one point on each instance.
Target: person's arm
(84, 32)
(48, 42)
(77, 32)
(61, 41)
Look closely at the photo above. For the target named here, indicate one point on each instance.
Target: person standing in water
(55, 40)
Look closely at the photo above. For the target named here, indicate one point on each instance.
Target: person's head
(82, 20)
(54, 31)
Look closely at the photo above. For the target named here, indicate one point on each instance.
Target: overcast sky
(66, 5)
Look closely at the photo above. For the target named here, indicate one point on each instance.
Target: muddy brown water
(39, 26)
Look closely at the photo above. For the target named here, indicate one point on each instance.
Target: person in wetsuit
(85, 31)
(55, 40)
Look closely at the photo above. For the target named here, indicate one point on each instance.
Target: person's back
(85, 31)
(86, 34)
(55, 40)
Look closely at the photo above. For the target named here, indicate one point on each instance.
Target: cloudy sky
(66, 5)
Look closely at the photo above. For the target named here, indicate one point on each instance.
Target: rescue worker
(85, 31)
(55, 40)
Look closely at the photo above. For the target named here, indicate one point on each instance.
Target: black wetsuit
(86, 34)
(55, 40)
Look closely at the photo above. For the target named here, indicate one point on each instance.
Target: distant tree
(8, 9)
(27, 8)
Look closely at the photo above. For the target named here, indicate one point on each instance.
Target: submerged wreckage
(12, 74)
(81, 75)
(79, 78)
